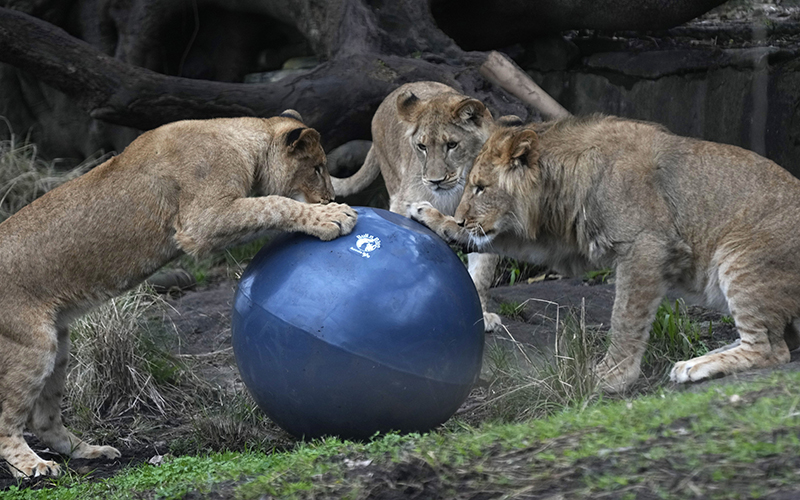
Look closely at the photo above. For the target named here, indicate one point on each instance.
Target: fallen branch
(505, 74)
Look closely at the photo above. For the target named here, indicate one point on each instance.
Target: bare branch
(504, 73)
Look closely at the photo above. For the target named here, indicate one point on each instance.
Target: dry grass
(123, 383)
(570, 375)
(527, 383)
(24, 176)
(118, 366)
(231, 421)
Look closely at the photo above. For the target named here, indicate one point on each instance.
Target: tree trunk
(148, 62)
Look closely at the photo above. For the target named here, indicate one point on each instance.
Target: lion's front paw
(331, 221)
(491, 322)
(614, 376)
(444, 226)
(421, 211)
(33, 467)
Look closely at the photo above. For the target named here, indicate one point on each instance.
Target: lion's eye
(318, 169)
(452, 145)
(422, 147)
(478, 188)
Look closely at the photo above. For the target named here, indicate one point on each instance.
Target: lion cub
(425, 136)
(187, 187)
(713, 220)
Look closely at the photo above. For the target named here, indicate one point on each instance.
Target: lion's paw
(615, 376)
(491, 322)
(331, 221)
(34, 467)
(680, 372)
(419, 210)
(91, 451)
(733, 358)
(697, 369)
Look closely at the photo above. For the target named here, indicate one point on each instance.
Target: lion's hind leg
(27, 357)
(758, 305)
(45, 419)
(753, 350)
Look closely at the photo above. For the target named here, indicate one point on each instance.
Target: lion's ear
(408, 106)
(301, 139)
(471, 110)
(290, 113)
(525, 148)
(509, 121)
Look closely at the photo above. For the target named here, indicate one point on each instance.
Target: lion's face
(503, 187)
(298, 163)
(446, 134)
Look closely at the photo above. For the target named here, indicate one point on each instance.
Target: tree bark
(367, 49)
(338, 97)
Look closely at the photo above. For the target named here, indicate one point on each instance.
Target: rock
(749, 97)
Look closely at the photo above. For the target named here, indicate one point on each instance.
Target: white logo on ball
(366, 243)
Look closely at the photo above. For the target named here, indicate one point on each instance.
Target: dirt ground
(201, 320)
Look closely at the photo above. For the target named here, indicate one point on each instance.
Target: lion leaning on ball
(187, 187)
(711, 220)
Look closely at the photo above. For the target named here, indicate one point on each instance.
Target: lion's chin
(442, 190)
(481, 241)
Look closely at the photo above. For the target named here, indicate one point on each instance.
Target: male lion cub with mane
(710, 219)
(425, 137)
(189, 186)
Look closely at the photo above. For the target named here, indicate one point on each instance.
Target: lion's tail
(345, 186)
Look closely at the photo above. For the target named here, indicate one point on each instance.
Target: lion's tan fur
(714, 221)
(190, 186)
(427, 115)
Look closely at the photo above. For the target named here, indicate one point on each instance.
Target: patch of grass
(461, 256)
(525, 383)
(598, 276)
(230, 422)
(511, 309)
(120, 365)
(667, 445)
(233, 261)
(511, 271)
(24, 176)
(571, 374)
(674, 337)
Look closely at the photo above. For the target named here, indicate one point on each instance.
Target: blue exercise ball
(380, 330)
